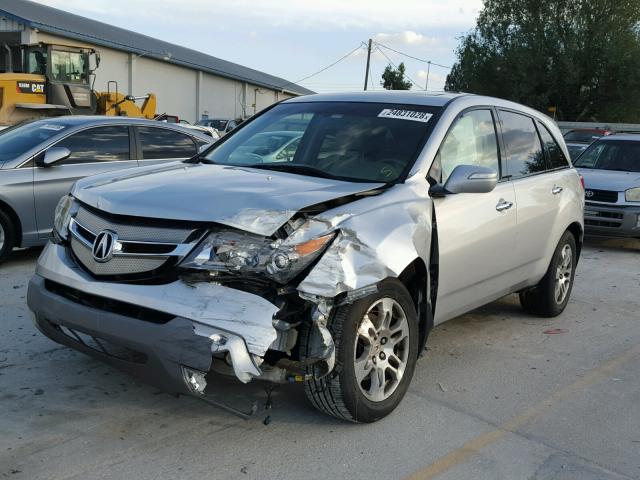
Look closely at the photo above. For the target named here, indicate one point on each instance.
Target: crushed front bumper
(158, 331)
(612, 220)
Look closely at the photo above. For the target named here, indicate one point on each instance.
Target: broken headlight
(244, 253)
(65, 209)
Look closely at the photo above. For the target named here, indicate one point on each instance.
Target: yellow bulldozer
(50, 80)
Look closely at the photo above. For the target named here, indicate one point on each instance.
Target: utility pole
(366, 73)
(426, 86)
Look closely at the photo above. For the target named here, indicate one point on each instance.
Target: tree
(580, 56)
(394, 79)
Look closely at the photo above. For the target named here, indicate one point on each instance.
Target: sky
(294, 39)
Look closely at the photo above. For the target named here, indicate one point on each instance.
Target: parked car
(210, 132)
(268, 147)
(397, 212)
(40, 160)
(578, 140)
(222, 125)
(611, 171)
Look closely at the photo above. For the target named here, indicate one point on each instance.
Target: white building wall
(220, 97)
(174, 86)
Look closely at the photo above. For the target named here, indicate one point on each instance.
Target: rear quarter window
(554, 152)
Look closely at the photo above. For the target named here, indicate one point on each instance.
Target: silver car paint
(257, 201)
(380, 234)
(33, 192)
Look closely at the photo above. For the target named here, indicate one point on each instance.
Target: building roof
(65, 24)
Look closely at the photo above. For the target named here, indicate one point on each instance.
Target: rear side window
(523, 145)
(99, 144)
(471, 141)
(554, 152)
(158, 143)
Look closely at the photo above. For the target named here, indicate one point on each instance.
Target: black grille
(601, 223)
(108, 304)
(601, 195)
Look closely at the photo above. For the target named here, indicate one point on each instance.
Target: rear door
(538, 190)
(476, 231)
(93, 150)
(159, 145)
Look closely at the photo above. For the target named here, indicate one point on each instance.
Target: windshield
(68, 67)
(582, 136)
(362, 142)
(620, 155)
(17, 140)
(217, 124)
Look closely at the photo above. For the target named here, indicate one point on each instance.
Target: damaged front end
(239, 303)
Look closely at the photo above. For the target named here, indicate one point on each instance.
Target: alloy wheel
(563, 274)
(381, 349)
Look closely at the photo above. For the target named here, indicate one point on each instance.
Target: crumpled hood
(257, 201)
(609, 179)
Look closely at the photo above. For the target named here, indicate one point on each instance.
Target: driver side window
(471, 141)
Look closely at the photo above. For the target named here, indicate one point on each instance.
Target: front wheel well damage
(415, 278)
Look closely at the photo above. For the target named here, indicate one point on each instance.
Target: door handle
(503, 205)
(556, 190)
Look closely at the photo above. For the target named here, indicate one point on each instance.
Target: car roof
(411, 97)
(632, 137)
(84, 120)
(419, 97)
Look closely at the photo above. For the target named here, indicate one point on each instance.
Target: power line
(411, 56)
(404, 74)
(327, 67)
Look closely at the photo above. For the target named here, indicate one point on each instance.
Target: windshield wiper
(297, 168)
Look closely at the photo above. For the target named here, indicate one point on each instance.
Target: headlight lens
(244, 253)
(632, 195)
(64, 210)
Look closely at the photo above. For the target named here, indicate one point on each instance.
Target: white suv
(328, 266)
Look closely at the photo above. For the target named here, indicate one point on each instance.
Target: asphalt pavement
(498, 395)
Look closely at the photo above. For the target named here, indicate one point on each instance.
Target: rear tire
(7, 236)
(376, 341)
(550, 296)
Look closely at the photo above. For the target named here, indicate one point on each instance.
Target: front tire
(376, 340)
(550, 296)
(7, 236)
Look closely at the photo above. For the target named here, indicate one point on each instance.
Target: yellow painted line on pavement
(476, 444)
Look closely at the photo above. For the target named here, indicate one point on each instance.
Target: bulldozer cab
(44, 80)
(67, 71)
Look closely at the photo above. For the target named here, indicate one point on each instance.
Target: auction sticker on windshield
(405, 115)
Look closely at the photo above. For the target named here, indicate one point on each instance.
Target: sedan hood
(609, 179)
(257, 201)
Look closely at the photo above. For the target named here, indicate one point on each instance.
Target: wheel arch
(415, 278)
(13, 216)
(578, 233)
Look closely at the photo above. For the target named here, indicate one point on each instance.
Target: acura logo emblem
(588, 193)
(103, 246)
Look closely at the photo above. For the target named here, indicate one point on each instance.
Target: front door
(94, 150)
(476, 231)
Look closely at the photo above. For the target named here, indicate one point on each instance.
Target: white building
(187, 83)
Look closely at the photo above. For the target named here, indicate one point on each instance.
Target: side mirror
(470, 179)
(55, 154)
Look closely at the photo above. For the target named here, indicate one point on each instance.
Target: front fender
(375, 244)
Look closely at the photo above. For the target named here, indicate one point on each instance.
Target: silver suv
(328, 266)
(40, 161)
